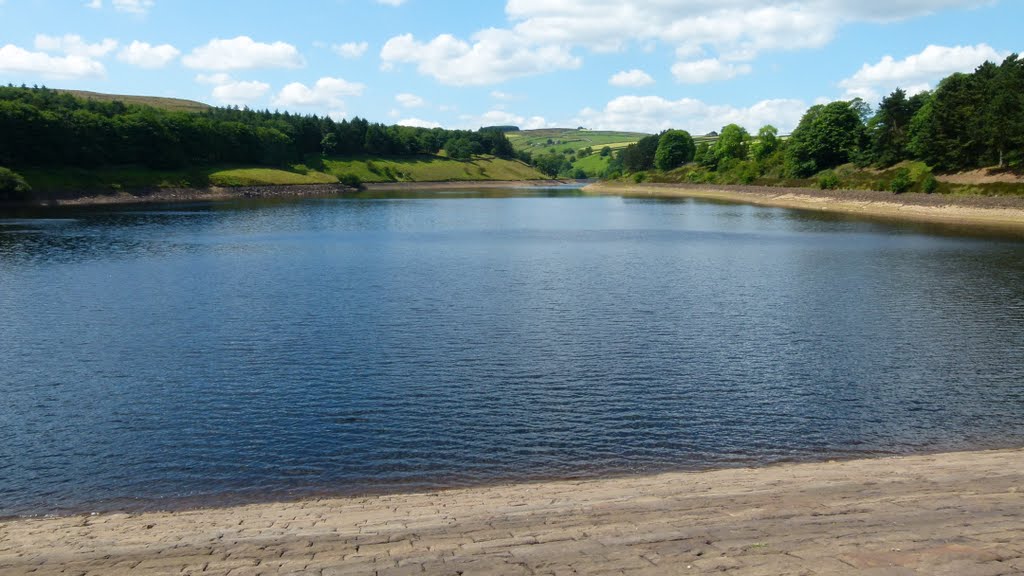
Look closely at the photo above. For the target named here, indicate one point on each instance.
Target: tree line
(44, 127)
(971, 120)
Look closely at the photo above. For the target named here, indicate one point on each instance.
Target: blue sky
(641, 65)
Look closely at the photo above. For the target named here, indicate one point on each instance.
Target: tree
(828, 135)
(732, 142)
(675, 148)
(13, 188)
(640, 156)
(766, 144)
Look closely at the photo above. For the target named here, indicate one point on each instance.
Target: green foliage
(828, 180)
(828, 135)
(640, 156)
(351, 180)
(606, 151)
(901, 182)
(732, 143)
(552, 164)
(43, 127)
(675, 148)
(766, 144)
(13, 187)
(929, 184)
(639, 177)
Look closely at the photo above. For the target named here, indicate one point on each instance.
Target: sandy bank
(1000, 212)
(959, 513)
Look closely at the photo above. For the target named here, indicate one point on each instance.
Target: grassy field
(174, 104)
(562, 139)
(403, 169)
(431, 169)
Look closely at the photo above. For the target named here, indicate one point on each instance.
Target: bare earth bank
(1002, 212)
(959, 513)
(88, 198)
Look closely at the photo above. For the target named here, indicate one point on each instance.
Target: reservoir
(162, 356)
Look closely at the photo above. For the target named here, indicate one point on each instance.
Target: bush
(13, 187)
(828, 180)
(639, 177)
(929, 184)
(351, 180)
(901, 182)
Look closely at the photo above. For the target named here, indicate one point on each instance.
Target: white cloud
(145, 55)
(410, 100)
(391, 2)
(327, 92)
(243, 53)
(653, 114)
(133, 6)
(631, 78)
(708, 70)
(418, 123)
(504, 118)
(494, 56)
(20, 61)
(94, 4)
(350, 50)
(542, 34)
(73, 45)
(240, 92)
(916, 72)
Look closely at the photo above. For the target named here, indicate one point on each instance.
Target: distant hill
(173, 104)
(570, 141)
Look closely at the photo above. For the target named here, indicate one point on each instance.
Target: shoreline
(1005, 213)
(953, 512)
(171, 195)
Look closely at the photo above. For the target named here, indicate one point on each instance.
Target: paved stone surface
(959, 514)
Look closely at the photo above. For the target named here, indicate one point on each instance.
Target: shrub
(929, 184)
(351, 180)
(901, 182)
(828, 180)
(639, 177)
(13, 187)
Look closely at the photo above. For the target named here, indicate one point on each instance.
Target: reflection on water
(255, 350)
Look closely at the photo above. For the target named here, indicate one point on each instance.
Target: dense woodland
(43, 127)
(969, 121)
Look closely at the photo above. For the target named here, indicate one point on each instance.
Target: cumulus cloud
(631, 78)
(504, 118)
(350, 50)
(391, 2)
(916, 72)
(493, 56)
(327, 92)
(73, 45)
(654, 114)
(17, 60)
(243, 53)
(410, 100)
(542, 34)
(145, 55)
(240, 92)
(707, 70)
(418, 123)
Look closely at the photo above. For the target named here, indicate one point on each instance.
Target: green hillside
(571, 142)
(425, 168)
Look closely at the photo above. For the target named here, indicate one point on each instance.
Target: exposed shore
(161, 195)
(958, 513)
(996, 212)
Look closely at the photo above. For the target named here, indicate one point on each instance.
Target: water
(165, 356)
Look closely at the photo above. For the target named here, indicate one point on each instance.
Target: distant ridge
(174, 104)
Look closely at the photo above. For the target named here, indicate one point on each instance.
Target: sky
(637, 65)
